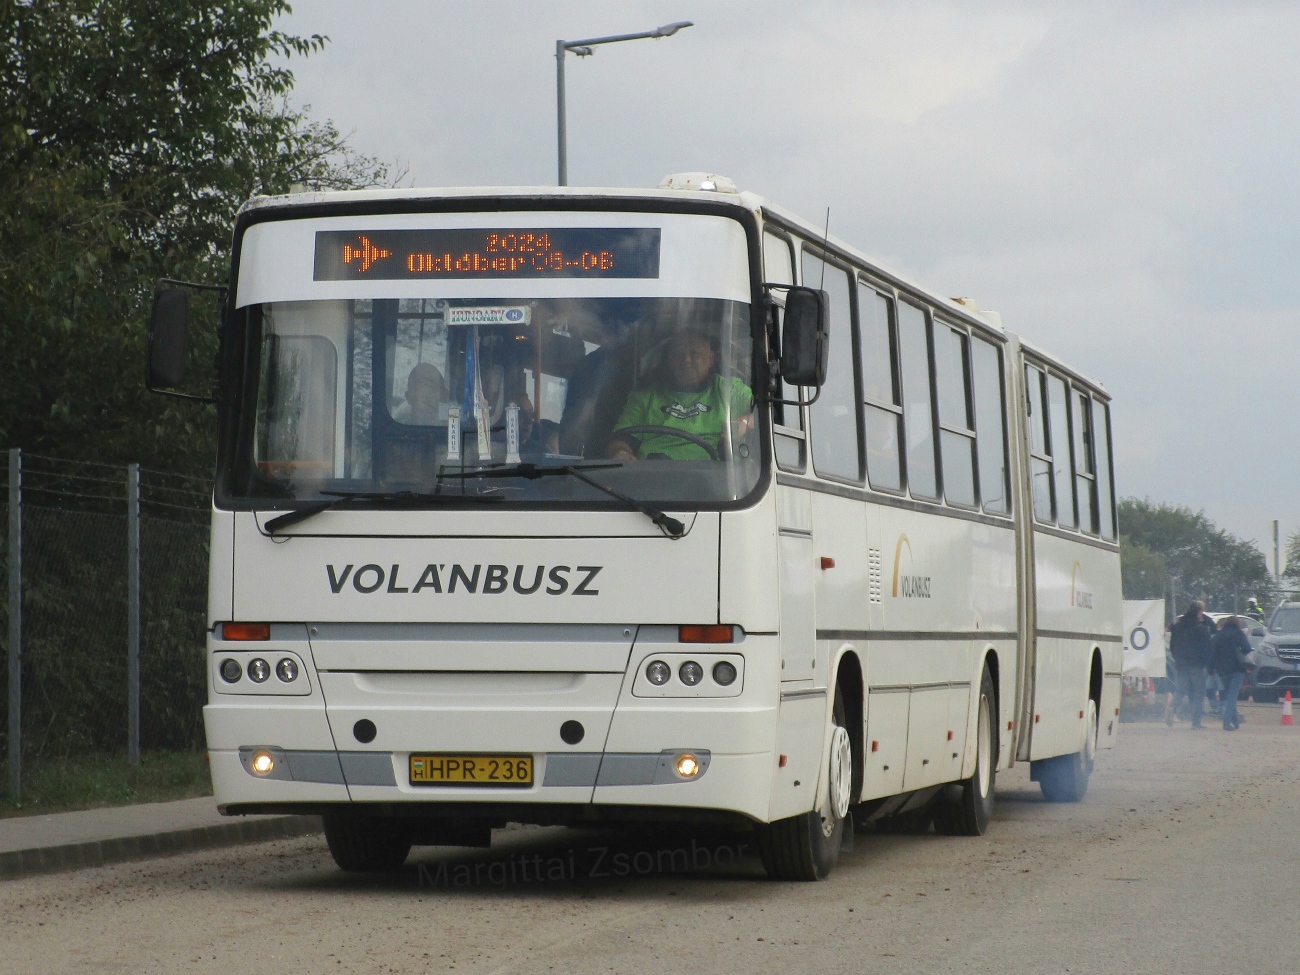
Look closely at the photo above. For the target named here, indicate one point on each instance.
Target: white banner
(1144, 638)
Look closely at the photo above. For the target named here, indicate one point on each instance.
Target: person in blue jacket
(1230, 661)
(1189, 645)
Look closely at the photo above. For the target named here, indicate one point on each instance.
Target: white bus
(561, 506)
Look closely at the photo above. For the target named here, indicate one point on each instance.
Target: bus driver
(690, 396)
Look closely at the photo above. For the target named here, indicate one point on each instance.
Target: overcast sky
(1119, 180)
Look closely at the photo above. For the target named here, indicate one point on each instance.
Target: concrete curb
(98, 853)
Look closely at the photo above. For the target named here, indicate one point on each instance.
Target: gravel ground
(1184, 839)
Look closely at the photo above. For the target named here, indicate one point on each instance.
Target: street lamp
(583, 49)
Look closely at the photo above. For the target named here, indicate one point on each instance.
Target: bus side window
(1058, 408)
(833, 419)
(1040, 458)
(990, 426)
(1105, 486)
(778, 268)
(956, 425)
(918, 413)
(1085, 472)
(880, 392)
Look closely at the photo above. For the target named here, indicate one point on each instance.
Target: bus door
(803, 702)
(798, 585)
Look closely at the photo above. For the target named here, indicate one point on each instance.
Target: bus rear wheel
(968, 806)
(366, 844)
(806, 847)
(1065, 778)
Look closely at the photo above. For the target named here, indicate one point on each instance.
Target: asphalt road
(1180, 859)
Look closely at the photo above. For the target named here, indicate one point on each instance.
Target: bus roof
(989, 322)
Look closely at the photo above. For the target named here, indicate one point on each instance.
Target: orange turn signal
(246, 631)
(706, 634)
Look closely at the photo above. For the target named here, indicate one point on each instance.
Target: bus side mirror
(805, 339)
(168, 333)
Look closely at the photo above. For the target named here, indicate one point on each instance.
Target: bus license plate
(491, 770)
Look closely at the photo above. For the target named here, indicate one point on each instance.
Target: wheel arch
(989, 659)
(1095, 678)
(850, 680)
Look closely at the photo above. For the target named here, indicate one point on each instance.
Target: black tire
(1065, 778)
(968, 806)
(366, 844)
(807, 846)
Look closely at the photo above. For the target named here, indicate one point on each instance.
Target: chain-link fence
(103, 633)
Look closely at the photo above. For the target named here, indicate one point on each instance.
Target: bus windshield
(410, 394)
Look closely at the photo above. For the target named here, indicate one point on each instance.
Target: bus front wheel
(366, 844)
(806, 847)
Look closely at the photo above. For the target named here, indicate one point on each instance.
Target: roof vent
(705, 182)
(972, 306)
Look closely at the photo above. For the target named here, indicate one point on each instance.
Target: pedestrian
(1167, 683)
(1189, 644)
(1230, 661)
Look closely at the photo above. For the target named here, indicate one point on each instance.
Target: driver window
(778, 268)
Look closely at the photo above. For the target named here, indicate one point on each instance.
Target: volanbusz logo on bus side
(478, 579)
(907, 585)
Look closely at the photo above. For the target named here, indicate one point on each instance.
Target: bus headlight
(258, 670)
(691, 673)
(687, 765)
(231, 671)
(658, 672)
(287, 670)
(262, 762)
(724, 673)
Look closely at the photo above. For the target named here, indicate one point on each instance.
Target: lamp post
(583, 49)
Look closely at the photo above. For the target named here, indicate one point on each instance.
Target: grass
(94, 781)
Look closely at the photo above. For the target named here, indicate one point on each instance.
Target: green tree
(1145, 574)
(1158, 541)
(130, 133)
(1291, 567)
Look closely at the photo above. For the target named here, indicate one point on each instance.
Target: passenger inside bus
(425, 391)
(689, 395)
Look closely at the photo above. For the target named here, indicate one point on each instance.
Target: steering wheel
(673, 432)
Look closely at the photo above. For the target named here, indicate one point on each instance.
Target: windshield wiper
(667, 524)
(337, 498)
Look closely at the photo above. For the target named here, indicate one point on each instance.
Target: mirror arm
(188, 396)
(224, 289)
(797, 402)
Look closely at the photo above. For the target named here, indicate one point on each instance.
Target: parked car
(1278, 656)
(1256, 634)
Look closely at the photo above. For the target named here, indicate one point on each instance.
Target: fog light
(231, 671)
(724, 673)
(658, 672)
(691, 673)
(687, 766)
(258, 670)
(287, 670)
(263, 763)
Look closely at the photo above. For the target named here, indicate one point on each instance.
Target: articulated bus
(573, 506)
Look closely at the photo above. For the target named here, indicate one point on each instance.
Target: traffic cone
(1287, 716)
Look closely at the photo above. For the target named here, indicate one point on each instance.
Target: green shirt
(704, 413)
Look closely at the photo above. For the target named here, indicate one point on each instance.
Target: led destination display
(569, 252)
